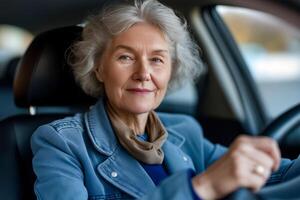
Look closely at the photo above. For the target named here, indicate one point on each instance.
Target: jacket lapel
(126, 173)
(120, 169)
(175, 159)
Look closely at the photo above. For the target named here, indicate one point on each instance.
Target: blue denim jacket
(79, 157)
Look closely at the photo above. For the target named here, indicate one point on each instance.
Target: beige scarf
(150, 151)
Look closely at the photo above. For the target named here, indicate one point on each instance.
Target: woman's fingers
(244, 168)
(270, 147)
(267, 146)
(252, 179)
(260, 158)
(256, 182)
(248, 163)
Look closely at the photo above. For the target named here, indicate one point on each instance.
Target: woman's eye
(125, 58)
(157, 60)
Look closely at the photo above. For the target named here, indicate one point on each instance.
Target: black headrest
(44, 77)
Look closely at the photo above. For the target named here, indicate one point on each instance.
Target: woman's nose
(142, 72)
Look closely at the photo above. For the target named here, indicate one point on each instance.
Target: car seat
(43, 79)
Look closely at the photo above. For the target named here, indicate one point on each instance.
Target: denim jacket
(79, 157)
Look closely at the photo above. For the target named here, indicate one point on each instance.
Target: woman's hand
(248, 163)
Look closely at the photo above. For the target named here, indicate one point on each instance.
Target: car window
(271, 50)
(13, 43)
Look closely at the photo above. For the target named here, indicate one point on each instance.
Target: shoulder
(59, 125)
(178, 121)
(59, 131)
(183, 125)
(75, 121)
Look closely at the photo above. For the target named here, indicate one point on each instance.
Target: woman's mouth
(139, 90)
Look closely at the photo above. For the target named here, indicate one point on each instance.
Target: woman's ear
(99, 75)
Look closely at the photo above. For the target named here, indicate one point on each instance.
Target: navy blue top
(158, 172)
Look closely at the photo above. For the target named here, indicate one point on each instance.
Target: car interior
(38, 86)
(44, 63)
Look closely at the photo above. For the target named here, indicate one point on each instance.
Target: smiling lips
(140, 90)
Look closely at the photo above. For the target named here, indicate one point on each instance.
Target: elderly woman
(130, 55)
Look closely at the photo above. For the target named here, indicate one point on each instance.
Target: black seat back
(43, 78)
(17, 177)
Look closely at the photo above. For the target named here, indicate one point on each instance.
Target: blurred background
(271, 49)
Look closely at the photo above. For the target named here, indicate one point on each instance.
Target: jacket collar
(134, 182)
(100, 129)
(102, 135)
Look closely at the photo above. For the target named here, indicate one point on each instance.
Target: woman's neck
(136, 122)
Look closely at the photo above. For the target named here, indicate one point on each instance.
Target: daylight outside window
(13, 43)
(271, 50)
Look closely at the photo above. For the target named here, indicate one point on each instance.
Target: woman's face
(135, 69)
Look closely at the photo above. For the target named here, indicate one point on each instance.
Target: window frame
(255, 114)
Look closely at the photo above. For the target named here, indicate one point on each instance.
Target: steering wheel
(282, 125)
(278, 130)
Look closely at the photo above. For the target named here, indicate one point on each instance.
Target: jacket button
(114, 174)
(185, 158)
